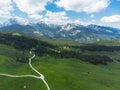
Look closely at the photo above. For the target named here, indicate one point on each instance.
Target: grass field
(61, 74)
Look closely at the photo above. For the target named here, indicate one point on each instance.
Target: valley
(59, 44)
(62, 71)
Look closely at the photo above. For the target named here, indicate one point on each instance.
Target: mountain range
(76, 32)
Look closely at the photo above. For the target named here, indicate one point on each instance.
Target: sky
(100, 12)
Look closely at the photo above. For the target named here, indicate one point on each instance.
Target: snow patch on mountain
(67, 27)
(109, 31)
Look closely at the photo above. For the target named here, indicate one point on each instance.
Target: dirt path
(41, 76)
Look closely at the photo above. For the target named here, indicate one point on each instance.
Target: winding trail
(41, 76)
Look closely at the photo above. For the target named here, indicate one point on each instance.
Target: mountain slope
(75, 32)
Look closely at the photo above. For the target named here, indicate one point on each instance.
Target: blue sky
(101, 12)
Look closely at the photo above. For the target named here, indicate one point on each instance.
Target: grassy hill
(62, 72)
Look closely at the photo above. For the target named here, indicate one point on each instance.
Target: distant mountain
(75, 32)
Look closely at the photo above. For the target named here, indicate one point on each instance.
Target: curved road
(41, 76)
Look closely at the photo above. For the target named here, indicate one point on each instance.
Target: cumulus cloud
(32, 7)
(6, 8)
(111, 19)
(56, 18)
(88, 6)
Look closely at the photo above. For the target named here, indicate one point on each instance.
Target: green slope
(61, 74)
(65, 73)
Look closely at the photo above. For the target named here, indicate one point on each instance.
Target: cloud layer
(33, 8)
(36, 11)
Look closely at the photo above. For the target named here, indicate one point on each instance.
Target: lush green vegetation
(66, 67)
(43, 48)
(65, 74)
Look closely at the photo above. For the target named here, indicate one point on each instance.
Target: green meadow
(60, 73)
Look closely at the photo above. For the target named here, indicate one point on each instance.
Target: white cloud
(6, 8)
(56, 18)
(93, 21)
(111, 19)
(92, 16)
(89, 6)
(78, 21)
(116, 25)
(21, 20)
(32, 7)
(17, 20)
(36, 16)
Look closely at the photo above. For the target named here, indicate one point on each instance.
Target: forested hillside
(45, 48)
